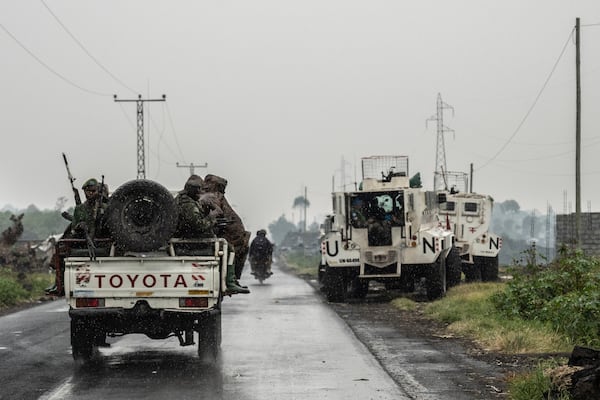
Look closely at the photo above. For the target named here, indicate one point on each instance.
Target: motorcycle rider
(261, 251)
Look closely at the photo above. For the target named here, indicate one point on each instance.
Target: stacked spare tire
(141, 216)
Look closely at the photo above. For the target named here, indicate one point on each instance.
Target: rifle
(90, 232)
(71, 179)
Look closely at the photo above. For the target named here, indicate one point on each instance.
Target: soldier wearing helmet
(194, 221)
(86, 216)
(234, 231)
(86, 223)
(197, 219)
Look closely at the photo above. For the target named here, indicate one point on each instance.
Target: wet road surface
(280, 342)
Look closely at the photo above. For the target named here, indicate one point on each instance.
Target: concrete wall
(590, 232)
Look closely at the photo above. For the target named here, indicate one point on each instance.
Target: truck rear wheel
(489, 268)
(435, 280)
(209, 338)
(82, 340)
(141, 215)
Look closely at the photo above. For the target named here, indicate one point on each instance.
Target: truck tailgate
(122, 281)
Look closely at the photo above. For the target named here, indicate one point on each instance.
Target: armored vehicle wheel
(335, 286)
(453, 268)
(209, 338)
(472, 272)
(435, 280)
(82, 340)
(359, 288)
(489, 268)
(141, 215)
(321, 272)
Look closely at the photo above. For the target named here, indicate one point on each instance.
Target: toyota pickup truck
(141, 279)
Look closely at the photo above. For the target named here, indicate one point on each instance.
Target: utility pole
(471, 180)
(439, 176)
(192, 166)
(578, 139)
(141, 161)
(305, 200)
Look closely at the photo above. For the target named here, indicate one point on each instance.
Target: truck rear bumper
(142, 319)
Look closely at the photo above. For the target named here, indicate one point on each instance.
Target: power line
(65, 79)
(531, 107)
(82, 47)
(174, 132)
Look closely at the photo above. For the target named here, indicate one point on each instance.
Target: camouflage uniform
(193, 221)
(87, 222)
(234, 232)
(87, 215)
(197, 219)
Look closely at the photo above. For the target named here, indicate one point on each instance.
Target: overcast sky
(273, 93)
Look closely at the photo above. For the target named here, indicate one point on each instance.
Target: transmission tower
(440, 173)
(141, 161)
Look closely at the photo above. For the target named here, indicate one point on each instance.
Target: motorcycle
(261, 269)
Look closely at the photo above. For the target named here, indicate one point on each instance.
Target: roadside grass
(301, 264)
(540, 383)
(404, 304)
(18, 288)
(469, 311)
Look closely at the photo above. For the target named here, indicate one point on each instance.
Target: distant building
(590, 232)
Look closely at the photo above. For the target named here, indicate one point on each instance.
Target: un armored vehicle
(469, 216)
(389, 231)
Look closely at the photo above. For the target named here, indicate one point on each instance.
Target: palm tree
(302, 203)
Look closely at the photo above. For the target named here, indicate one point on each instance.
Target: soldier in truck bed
(86, 223)
(234, 231)
(87, 216)
(197, 219)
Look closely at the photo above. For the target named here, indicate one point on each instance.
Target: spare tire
(141, 216)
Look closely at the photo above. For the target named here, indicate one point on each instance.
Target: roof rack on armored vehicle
(380, 172)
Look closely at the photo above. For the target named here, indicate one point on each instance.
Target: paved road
(279, 342)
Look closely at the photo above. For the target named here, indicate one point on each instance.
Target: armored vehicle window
(470, 207)
(372, 207)
(448, 206)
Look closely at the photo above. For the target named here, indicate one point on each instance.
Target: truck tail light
(196, 302)
(89, 302)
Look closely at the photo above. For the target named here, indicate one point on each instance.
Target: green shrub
(564, 294)
(11, 292)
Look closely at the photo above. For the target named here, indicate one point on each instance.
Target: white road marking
(61, 392)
